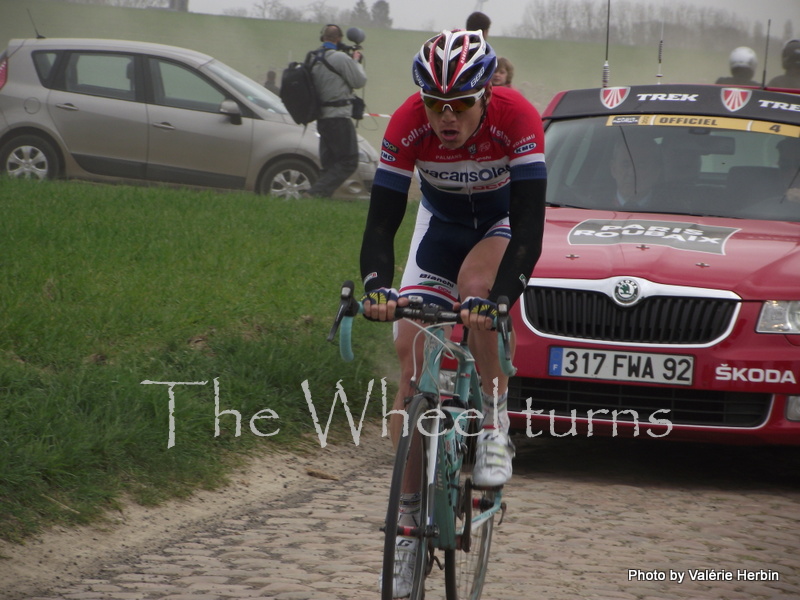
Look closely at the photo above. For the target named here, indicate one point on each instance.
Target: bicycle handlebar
(431, 314)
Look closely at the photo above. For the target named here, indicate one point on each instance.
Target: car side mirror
(232, 110)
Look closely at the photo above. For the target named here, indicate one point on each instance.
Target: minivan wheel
(29, 157)
(287, 179)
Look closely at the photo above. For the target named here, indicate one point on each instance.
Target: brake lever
(504, 325)
(348, 307)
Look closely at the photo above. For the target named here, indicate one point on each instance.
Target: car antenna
(606, 67)
(766, 56)
(659, 75)
(39, 36)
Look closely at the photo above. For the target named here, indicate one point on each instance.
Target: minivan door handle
(164, 125)
(67, 106)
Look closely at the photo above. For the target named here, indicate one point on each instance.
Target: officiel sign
(675, 234)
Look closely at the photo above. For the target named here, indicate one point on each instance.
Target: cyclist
(479, 152)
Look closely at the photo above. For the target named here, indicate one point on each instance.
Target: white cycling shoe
(405, 553)
(493, 456)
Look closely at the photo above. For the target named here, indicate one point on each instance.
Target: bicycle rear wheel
(408, 475)
(465, 568)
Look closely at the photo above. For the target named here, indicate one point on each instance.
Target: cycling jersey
(469, 185)
(499, 174)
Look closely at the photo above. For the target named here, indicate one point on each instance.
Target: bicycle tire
(465, 571)
(404, 455)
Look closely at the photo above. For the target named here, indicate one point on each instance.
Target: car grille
(593, 315)
(687, 406)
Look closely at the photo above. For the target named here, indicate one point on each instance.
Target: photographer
(335, 82)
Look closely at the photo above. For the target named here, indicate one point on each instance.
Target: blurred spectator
(270, 83)
(335, 76)
(791, 64)
(479, 21)
(743, 63)
(504, 72)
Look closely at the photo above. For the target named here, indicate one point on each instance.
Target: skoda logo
(626, 291)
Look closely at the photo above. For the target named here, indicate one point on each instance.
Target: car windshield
(711, 166)
(254, 92)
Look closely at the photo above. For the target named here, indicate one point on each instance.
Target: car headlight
(779, 316)
(793, 408)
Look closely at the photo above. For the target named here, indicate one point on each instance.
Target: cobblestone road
(588, 519)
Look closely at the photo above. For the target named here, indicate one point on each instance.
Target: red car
(666, 303)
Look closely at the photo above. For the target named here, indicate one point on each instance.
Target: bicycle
(455, 516)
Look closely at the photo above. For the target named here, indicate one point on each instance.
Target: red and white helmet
(454, 61)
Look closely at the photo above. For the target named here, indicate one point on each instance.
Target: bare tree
(321, 13)
(276, 10)
(634, 23)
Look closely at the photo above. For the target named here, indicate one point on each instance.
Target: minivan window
(44, 61)
(110, 75)
(177, 86)
(255, 92)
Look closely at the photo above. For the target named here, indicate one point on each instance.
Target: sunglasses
(456, 104)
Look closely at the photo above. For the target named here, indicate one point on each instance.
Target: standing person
(504, 73)
(479, 152)
(743, 63)
(271, 84)
(479, 21)
(790, 58)
(335, 82)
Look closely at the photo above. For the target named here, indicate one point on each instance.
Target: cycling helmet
(743, 58)
(791, 54)
(454, 61)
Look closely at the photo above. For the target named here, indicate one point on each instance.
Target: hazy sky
(424, 14)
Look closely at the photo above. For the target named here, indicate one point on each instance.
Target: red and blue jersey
(469, 185)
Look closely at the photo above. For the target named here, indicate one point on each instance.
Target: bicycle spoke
(408, 476)
(465, 571)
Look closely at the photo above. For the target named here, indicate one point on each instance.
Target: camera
(355, 35)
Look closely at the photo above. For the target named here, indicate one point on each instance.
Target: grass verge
(106, 287)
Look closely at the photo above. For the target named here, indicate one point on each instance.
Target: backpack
(299, 94)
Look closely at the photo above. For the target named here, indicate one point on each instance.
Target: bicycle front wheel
(408, 478)
(465, 567)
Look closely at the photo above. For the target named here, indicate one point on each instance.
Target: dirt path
(63, 556)
(588, 519)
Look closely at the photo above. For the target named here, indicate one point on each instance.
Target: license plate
(675, 369)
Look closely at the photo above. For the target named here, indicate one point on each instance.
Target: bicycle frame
(448, 426)
(441, 418)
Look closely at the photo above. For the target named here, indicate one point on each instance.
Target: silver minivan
(123, 111)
